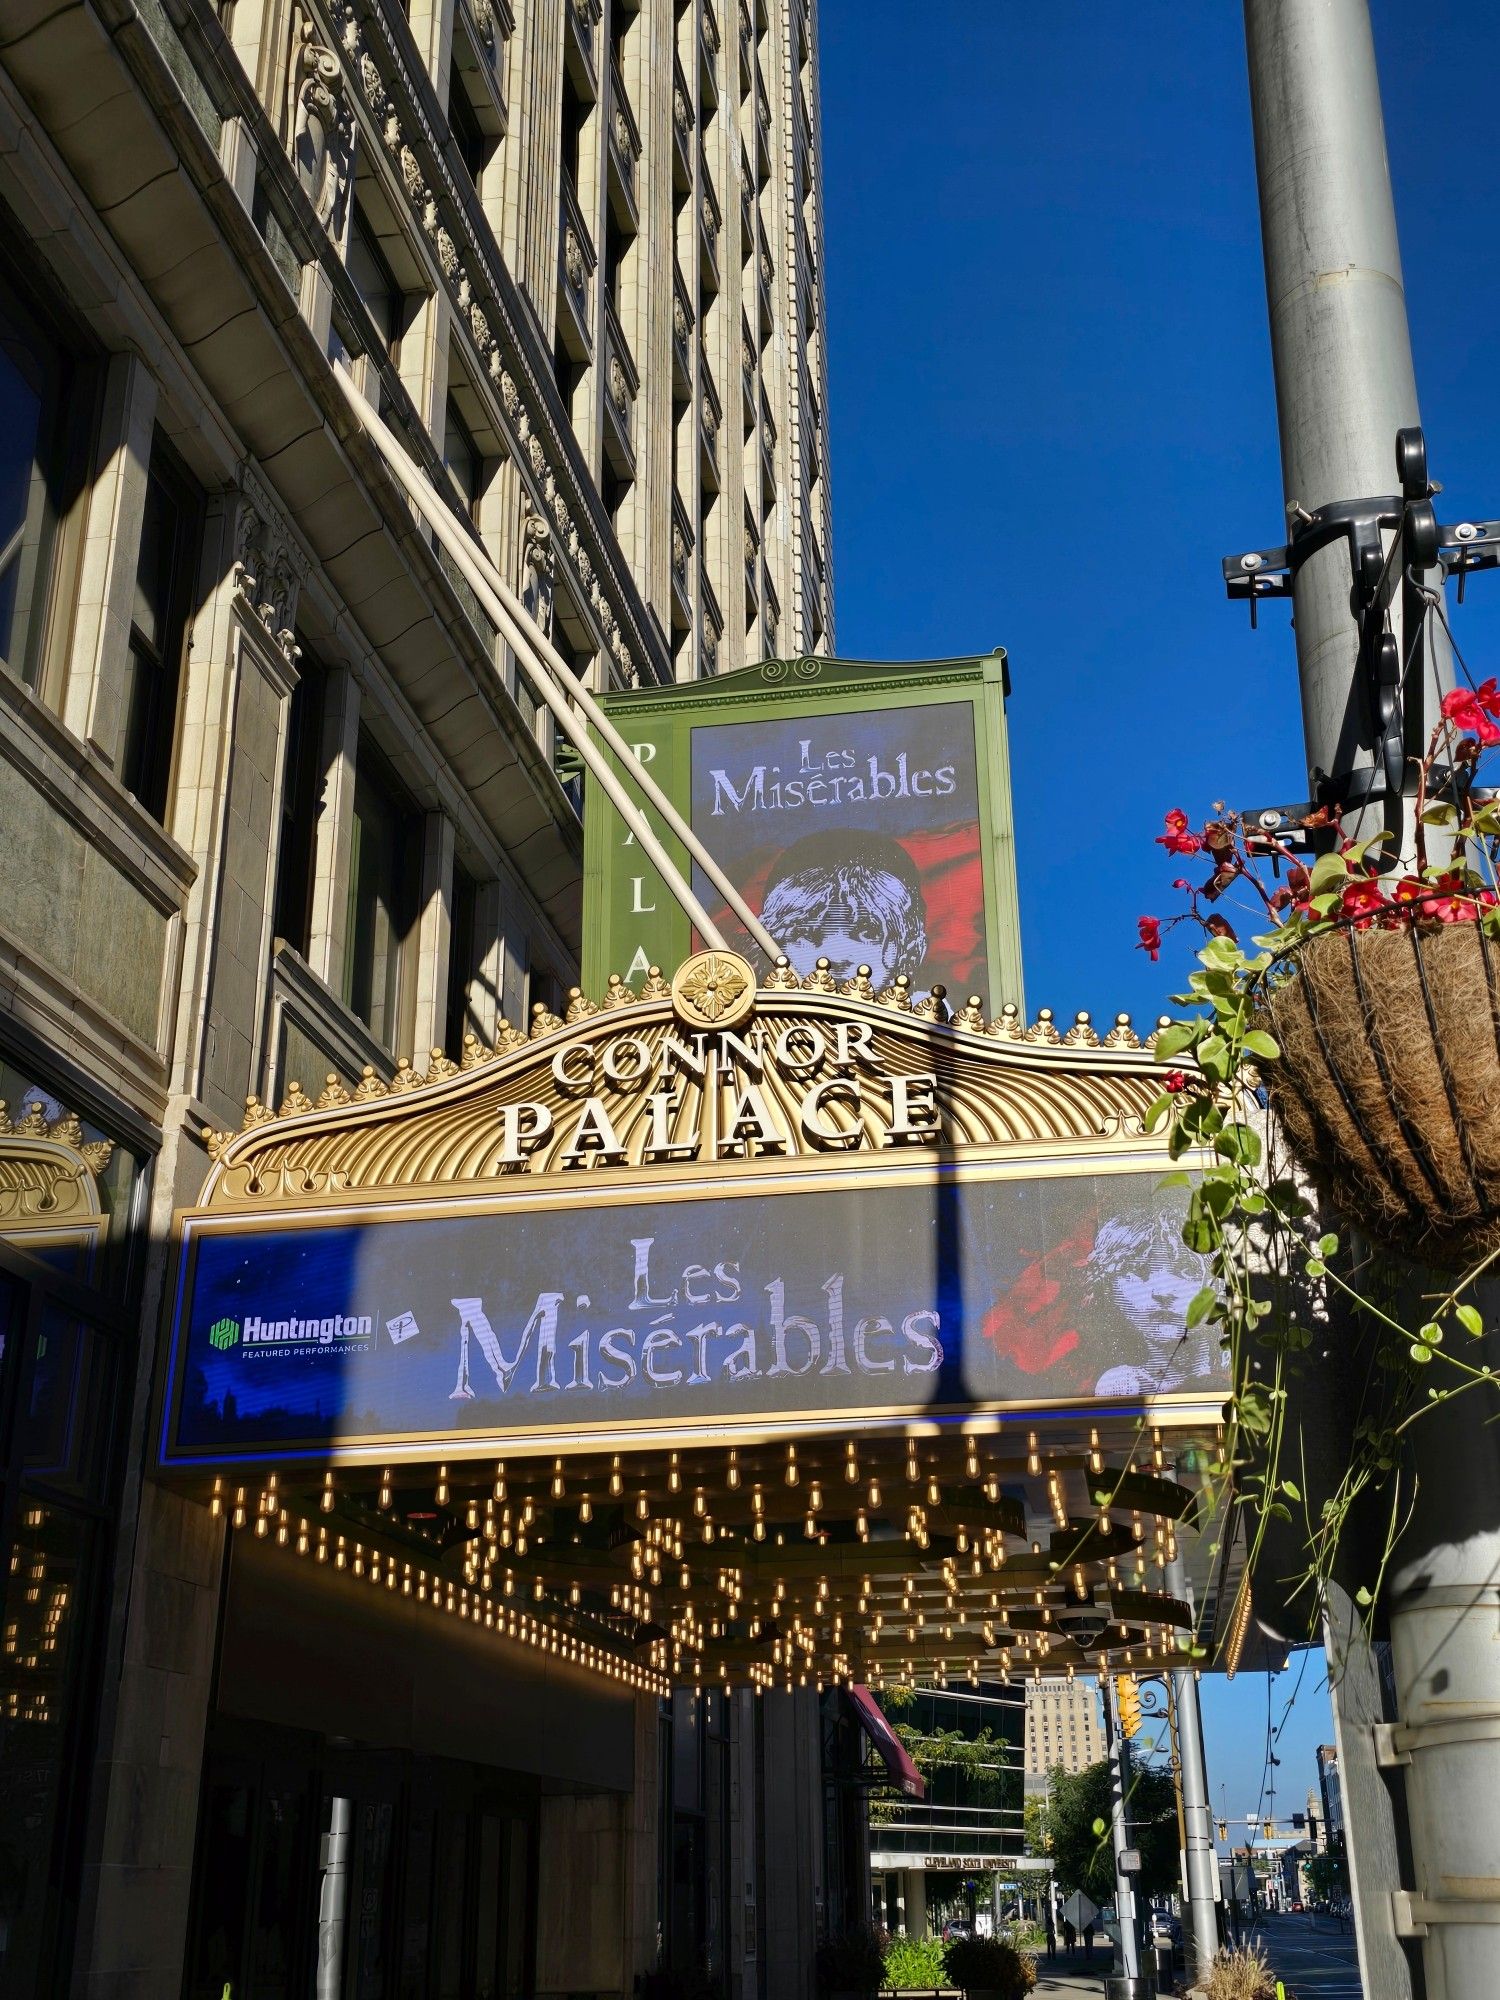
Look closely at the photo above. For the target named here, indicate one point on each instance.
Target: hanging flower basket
(1388, 1084)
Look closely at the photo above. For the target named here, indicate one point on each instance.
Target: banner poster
(486, 1321)
(854, 836)
(861, 809)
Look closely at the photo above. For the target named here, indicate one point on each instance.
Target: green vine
(1274, 1270)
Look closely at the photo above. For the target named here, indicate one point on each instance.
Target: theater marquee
(716, 1211)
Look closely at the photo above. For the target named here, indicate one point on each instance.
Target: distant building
(1333, 1797)
(1064, 1727)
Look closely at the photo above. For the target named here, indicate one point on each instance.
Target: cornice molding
(491, 319)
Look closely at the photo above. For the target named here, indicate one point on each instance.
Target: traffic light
(1270, 1830)
(1223, 1826)
(1128, 1702)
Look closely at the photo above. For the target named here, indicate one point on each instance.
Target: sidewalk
(1072, 1978)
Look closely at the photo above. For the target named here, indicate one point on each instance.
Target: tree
(1077, 1821)
(1327, 1875)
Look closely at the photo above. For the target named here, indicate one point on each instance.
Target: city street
(1313, 1955)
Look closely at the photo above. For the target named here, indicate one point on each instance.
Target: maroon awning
(889, 1747)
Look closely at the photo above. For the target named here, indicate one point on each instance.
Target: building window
(44, 422)
(470, 140)
(462, 457)
(165, 575)
(385, 863)
(375, 282)
(301, 808)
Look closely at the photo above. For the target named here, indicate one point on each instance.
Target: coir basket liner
(1389, 1082)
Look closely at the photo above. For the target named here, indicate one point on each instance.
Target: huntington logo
(224, 1333)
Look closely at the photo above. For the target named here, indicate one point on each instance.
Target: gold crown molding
(48, 1171)
(997, 1083)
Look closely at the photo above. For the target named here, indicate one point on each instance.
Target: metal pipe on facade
(561, 691)
(1344, 386)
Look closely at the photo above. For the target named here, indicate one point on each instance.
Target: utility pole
(1345, 386)
(1131, 1985)
(1200, 1856)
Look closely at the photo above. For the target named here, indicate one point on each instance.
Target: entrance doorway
(349, 1873)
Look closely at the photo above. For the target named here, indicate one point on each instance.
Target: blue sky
(1051, 415)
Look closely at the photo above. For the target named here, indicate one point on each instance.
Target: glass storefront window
(66, 1346)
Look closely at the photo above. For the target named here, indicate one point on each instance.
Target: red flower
(1451, 900)
(1362, 901)
(1472, 708)
(1177, 839)
(1175, 1081)
(1150, 930)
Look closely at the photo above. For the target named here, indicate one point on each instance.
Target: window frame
(147, 764)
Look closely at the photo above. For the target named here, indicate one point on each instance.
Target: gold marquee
(973, 1544)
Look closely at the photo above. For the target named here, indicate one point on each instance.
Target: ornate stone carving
(372, 58)
(619, 388)
(682, 111)
(679, 550)
(624, 137)
(710, 649)
(269, 569)
(710, 421)
(573, 258)
(538, 572)
(484, 21)
(322, 131)
(680, 320)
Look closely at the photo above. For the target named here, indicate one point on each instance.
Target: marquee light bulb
(326, 1501)
(440, 1497)
(585, 1509)
(792, 1474)
(874, 1492)
(851, 1464)
(733, 1474)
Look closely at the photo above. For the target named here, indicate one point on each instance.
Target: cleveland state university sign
(714, 1211)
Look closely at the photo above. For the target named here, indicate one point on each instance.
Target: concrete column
(916, 1902)
(93, 700)
(330, 900)
(433, 936)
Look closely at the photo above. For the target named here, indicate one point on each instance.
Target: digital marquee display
(473, 1324)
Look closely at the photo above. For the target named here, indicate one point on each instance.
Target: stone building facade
(1064, 1728)
(274, 808)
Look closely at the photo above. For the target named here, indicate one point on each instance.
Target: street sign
(1079, 1910)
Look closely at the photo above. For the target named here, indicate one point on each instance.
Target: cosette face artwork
(854, 835)
(853, 899)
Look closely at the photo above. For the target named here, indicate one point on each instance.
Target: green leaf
(1158, 1111)
(1291, 1490)
(1327, 1245)
(1432, 1334)
(1175, 1180)
(1240, 1143)
(1439, 815)
(1099, 1828)
(1261, 1045)
(1327, 870)
(1202, 1305)
(1470, 1319)
(1420, 1351)
(1362, 1595)
(1220, 954)
(1173, 1039)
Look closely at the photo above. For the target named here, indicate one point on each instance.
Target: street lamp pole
(1131, 1985)
(1345, 386)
